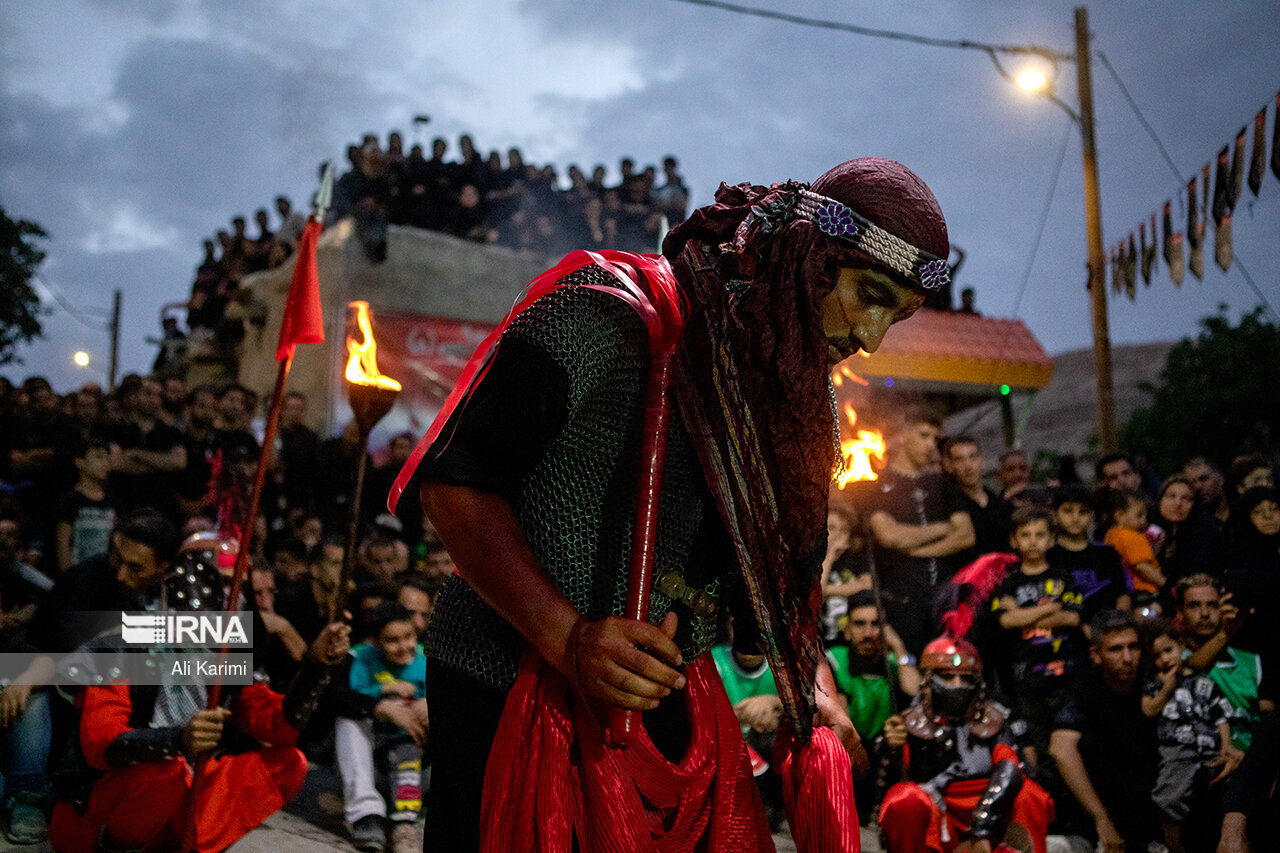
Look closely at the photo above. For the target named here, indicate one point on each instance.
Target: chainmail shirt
(575, 495)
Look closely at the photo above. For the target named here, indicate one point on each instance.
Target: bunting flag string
(1234, 168)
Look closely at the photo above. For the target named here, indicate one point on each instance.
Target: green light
(1004, 390)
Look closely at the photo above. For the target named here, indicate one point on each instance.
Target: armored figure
(141, 742)
(965, 776)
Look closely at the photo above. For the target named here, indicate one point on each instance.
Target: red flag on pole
(303, 322)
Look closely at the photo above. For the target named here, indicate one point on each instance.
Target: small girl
(1192, 727)
(1128, 536)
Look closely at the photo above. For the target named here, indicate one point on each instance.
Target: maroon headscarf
(752, 383)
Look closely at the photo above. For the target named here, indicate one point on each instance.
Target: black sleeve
(494, 438)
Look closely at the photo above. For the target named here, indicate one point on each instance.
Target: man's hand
(1230, 614)
(895, 732)
(395, 710)
(624, 662)
(274, 622)
(13, 702)
(402, 689)
(203, 731)
(332, 644)
(1229, 759)
(1109, 839)
(830, 714)
(761, 713)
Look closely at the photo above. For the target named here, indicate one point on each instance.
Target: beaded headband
(841, 222)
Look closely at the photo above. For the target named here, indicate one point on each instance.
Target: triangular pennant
(1221, 186)
(1196, 225)
(1275, 140)
(1172, 247)
(1236, 185)
(1148, 250)
(1131, 269)
(1222, 251)
(1258, 161)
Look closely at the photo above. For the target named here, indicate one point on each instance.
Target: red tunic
(146, 804)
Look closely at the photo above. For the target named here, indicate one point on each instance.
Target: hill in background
(1063, 418)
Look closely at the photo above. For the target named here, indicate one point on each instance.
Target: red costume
(144, 803)
(966, 781)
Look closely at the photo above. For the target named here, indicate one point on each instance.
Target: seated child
(1040, 612)
(390, 665)
(1195, 738)
(1128, 536)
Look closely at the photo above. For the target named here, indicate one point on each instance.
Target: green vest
(869, 701)
(1238, 678)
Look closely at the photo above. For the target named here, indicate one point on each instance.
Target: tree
(1216, 396)
(19, 304)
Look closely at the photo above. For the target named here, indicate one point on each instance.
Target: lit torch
(857, 453)
(371, 396)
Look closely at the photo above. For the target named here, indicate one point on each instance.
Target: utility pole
(1093, 227)
(114, 328)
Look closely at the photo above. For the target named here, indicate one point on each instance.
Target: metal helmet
(945, 655)
(195, 580)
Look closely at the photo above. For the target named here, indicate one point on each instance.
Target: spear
(302, 324)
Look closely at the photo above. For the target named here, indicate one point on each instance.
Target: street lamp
(81, 358)
(1036, 80)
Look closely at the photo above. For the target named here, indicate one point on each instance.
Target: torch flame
(856, 453)
(362, 361)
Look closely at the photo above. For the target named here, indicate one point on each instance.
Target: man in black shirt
(918, 524)
(1104, 746)
(962, 459)
(152, 454)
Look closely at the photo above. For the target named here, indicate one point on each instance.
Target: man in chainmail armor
(530, 474)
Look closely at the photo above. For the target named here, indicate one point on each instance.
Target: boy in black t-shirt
(1094, 570)
(86, 512)
(1040, 612)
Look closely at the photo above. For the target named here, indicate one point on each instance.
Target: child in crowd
(1041, 611)
(392, 665)
(1195, 737)
(1094, 569)
(1128, 536)
(86, 513)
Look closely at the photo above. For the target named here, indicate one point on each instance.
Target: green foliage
(19, 304)
(1216, 396)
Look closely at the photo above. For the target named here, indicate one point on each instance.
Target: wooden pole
(114, 328)
(1093, 227)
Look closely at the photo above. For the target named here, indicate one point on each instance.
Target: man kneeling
(146, 740)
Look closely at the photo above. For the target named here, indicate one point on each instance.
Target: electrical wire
(964, 44)
(1031, 261)
(1133, 105)
(80, 315)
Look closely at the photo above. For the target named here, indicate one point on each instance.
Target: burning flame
(362, 361)
(856, 453)
(844, 373)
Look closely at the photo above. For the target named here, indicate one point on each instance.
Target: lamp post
(1034, 81)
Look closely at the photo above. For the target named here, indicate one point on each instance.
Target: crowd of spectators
(514, 204)
(1128, 638)
(93, 480)
(518, 205)
(1127, 634)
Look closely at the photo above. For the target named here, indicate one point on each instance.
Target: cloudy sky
(132, 130)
